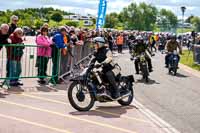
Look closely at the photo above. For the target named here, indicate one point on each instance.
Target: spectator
(61, 41)
(13, 25)
(153, 44)
(110, 41)
(43, 53)
(3, 40)
(46, 25)
(14, 55)
(4, 34)
(120, 42)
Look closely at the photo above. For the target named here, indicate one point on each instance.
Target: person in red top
(14, 55)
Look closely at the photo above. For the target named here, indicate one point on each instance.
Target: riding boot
(111, 78)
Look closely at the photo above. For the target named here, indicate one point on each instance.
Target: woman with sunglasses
(14, 20)
(43, 54)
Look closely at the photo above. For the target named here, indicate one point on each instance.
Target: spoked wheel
(80, 97)
(127, 100)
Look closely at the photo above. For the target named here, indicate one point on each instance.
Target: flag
(101, 13)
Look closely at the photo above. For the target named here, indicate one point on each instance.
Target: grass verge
(187, 59)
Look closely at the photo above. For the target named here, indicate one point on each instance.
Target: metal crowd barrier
(78, 53)
(19, 61)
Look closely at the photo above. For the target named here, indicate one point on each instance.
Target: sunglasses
(20, 33)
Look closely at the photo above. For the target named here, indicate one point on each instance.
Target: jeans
(167, 59)
(15, 70)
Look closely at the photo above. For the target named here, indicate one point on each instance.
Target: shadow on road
(2, 95)
(63, 86)
(15, 90)
(181, 75)
(106, 112)
(45, 89)
(151, 82)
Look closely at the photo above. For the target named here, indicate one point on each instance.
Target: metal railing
(19, 61)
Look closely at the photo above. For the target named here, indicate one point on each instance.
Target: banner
(101, 13)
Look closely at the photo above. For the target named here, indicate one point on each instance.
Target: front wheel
(80, 97)
(128, 100)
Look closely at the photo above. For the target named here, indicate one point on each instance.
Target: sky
(90, 6)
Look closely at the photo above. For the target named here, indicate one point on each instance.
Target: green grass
(187, 59)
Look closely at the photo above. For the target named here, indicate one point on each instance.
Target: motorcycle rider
(103, 56)
(138, 48)
(172, 45)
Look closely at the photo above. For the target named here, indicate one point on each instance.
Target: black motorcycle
(91, 86)
(173, 63)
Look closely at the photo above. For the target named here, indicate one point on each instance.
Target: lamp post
(183, 9)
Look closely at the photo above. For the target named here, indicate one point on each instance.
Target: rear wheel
(80, 97)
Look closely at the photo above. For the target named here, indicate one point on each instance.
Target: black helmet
(173, 37)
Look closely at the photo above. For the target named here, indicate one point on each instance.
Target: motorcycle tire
(130, 98)
(73, 103)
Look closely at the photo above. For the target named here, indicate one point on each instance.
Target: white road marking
(156, 119)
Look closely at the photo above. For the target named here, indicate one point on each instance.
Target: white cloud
(90, 6)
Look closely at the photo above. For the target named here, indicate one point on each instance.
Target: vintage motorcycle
(91, 86)
(143, 66)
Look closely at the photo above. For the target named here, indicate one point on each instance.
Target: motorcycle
(143, 66)
(173, 62)
(91, 86)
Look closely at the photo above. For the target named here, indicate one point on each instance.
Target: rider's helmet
(139, 39)
(99, 41)
(173, 37)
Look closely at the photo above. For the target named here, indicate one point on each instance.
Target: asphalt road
(175, 99)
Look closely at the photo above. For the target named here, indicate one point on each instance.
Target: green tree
(167, 19)
(138, 17)
(72, 23)
(57, 17)
(111, 20)
(196, 22)
(38, 23)
(188, 20)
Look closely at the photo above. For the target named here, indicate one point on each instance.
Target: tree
(57, 17)
(196, 22)
(38, 23)
(188, 20)
(167, 19)
(72, 23)
(149, 16)
(139, 17)
(111, 20)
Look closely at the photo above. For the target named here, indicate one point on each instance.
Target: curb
(190, 70)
